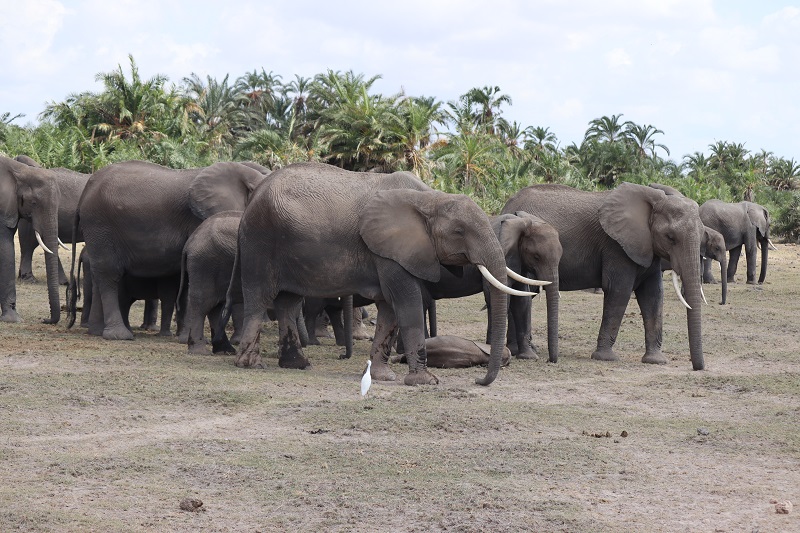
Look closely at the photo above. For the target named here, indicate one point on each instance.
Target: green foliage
(462, 146)
(787, 223)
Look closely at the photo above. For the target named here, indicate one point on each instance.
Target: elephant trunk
(723, 272)
(691, 277)
(764, 254)
(553, 298)
(498, 305)
(48, 229)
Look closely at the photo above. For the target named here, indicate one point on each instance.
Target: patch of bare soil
(141, 436)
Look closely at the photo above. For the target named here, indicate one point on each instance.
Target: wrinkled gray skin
(70, 186)
(27, 192)
(741, 224)
(711, 247)
(615, 240)
(206, 267)
(449, 351)
(532, 248)
(137, 216)
(371, 234)
(131, 288)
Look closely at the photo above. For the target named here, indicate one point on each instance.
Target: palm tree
(605, 129)
(488, 100)
(540, 140)
(783, 174)
(217, 111)
(419, 115)
(642, 138)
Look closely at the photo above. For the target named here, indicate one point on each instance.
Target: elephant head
(647, 222)
(31, 193)
(421, 230)
(532, 248)
(759, 218)
(713, 247)
(223, 187)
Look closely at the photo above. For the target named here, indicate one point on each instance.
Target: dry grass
(111, 436)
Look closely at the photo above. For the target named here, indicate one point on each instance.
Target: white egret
(366, 380)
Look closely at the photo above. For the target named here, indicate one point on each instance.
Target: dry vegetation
(102, 436)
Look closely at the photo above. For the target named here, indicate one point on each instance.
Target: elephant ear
(759, 217)
(510, 229)
(625, 216)
(9, 214)
(667, 189)
(222, 187)
(394, 225)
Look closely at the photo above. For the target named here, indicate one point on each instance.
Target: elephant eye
(671, 238)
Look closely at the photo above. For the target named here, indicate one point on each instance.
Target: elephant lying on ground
(741, 224)
(616, 240)
(320, 231)
(449, 351)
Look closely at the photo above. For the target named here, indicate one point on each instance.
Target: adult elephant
(615, 240)
(741, 224)
(137, 216)
(70, 186)
(531, 247)
(320, 231)
(31, 193)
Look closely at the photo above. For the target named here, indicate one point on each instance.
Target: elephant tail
(72, 288)
(234, 293)
(183, 286)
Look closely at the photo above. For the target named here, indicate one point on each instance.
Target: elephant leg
(733, 263)
(195, 321)
(302, 331)
(250, 346)
(312, 307)
(95, 321)
(337, 323)
(125, 305)
(615, 301)
(167, 310)
(519, 325)
(708, 277)
(359, 331)
(63, 279)
(650, 297)
(288, 308)
(8, 288)
(237, 315)
(114, 327)
(750, 261)
(87, 297)
(221, 344)
(27, 244)
(385, 329)
(150, 318)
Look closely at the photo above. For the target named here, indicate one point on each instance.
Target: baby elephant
(449, 351)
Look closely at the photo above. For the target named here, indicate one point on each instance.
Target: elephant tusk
(61, 244)
(41, 243)
(771, 246)
(703, 294)
(494, 281)
(678, 290)
(523, 279)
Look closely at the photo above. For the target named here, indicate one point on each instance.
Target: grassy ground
(111, 436)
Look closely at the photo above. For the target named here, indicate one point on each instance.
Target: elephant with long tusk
(616, 240)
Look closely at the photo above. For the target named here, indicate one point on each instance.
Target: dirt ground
(113, 436)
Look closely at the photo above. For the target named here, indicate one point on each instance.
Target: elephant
(70, 186)
(136, 218)
(532, 248)
(30, 193)
(615, 240)
(712, 246)
(741, 224)
(132, 288)
(449, 351)
(317, 230)
(206, 267)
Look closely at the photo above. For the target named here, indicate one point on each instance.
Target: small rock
(702, 431)
(784, 507)
(192, 505)
(623, 434)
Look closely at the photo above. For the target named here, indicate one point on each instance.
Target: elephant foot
(606, 354)
(250, 359)
(313, 341)
(28, 277)
(528, 353)
(165, 333)
(183, 338)
(344, 355)
(198, 348)
(223, 347)
(361, 334)
(752, 282)
(654, 359)
(149, 327)
(63, 281)
(236, 338)
(118, 334)
(420, 377)
(731, 280)
(50, 320)
(10, 316)
(382, 372)
(324, 333)
(710, 280)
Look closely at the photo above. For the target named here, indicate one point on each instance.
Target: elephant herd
(236, 240)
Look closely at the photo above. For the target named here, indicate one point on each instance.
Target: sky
(701, 71)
